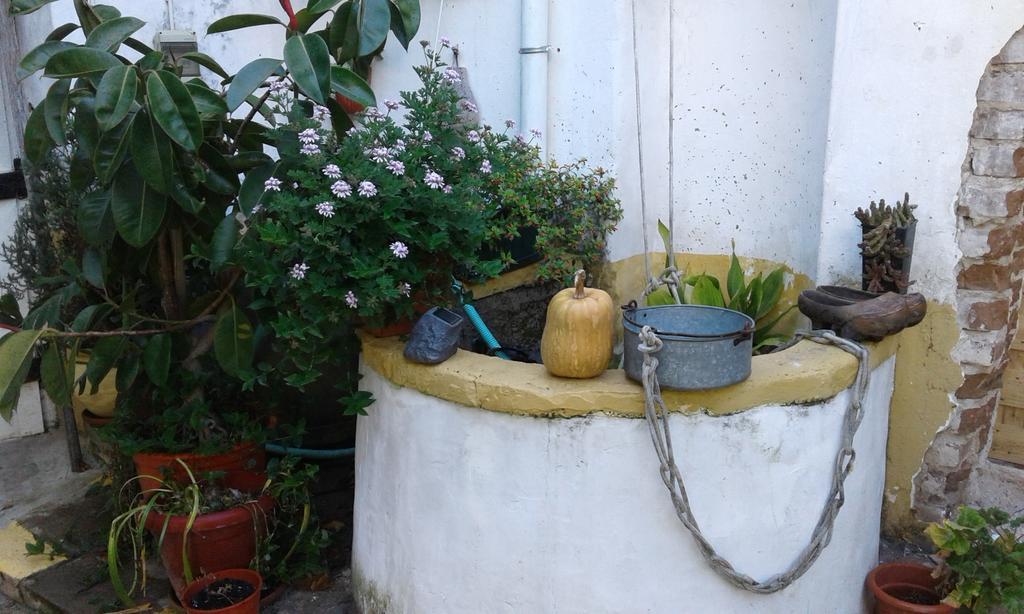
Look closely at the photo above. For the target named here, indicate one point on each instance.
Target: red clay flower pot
(906, 588)
(150, 466)
(218, 541)
(250, 605)
(351, 106)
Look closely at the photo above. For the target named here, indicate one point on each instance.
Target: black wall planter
(900, 265)
(523, 249)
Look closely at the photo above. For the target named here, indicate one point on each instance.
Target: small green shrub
(983, 559)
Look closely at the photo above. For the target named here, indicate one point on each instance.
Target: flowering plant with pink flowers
(363, 226)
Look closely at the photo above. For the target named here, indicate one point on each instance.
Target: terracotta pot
(400, 327)
(150, 466)
(351, 106)
(217, 541)
(900, 588)
(250, 605)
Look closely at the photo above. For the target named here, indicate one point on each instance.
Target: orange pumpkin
(577, 340)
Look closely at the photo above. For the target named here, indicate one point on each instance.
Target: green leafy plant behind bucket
(757, 297)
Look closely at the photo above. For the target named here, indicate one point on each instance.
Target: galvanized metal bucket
(703, 347)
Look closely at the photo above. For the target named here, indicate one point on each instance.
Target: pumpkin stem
(579, 279)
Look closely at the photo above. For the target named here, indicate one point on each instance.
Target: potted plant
(906, 588)
(982, 554)
(234, 591)
(887, 245)
(202, 525)
(758, 297)
(154, 163)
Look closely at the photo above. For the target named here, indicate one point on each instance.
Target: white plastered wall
(460, 509)
(903, 96)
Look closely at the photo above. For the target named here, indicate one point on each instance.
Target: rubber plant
(154, 162)
(328, 50)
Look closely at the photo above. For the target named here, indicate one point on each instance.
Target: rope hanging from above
(657, 415)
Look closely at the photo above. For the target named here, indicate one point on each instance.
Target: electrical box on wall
(177, 43)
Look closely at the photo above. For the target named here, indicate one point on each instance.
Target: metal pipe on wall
(533, 51)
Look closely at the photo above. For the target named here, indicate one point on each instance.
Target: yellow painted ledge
(804, 373)
(13, 562)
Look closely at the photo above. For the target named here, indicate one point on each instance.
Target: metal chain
(657, 420)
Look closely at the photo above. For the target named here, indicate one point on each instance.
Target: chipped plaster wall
(904, 93)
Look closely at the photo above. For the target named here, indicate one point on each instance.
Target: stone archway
(990, 273)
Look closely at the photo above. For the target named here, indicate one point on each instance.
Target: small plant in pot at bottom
(982, 553)
(202, 526)
(232, 590)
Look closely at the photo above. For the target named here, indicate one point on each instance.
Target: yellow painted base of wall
(926, 376)
(14, 564)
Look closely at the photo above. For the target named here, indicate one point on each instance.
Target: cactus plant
(882, 250)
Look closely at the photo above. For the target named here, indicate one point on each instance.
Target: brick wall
(989, 279)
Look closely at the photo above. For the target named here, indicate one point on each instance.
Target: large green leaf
(56, 374)
(45, 314)
(233, 341)
(80, 62)
(106, 12)
(322, 6)
(127, 371)
(373, 20)
(114, 96)
(92, 268)
(208, 102)
(309, 62)
(15, 360)
(405, 20)
(24, 7)
(243, 20)
(61, 32)
(352, 86)
(87, 130)
(220, 177)
(252, 190)
(223, 243)
(660, 296)
(156, 358)
(87, 16)
(104, 354)
(343, 34)
(734, 280)
(205, 61)
(706, 293)
(138, 209)
(37, 138)
(89, 316)
(56, 113)
(151, 61)
(95, 219)
(37, 58)
(753, 303)
(110, 34)
(111, 150)
(174, 110)
(771, 292)
(152, 153)
(250, 77)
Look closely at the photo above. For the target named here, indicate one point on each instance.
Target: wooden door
(1008, 437)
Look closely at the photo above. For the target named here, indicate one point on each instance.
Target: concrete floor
(35, 473)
